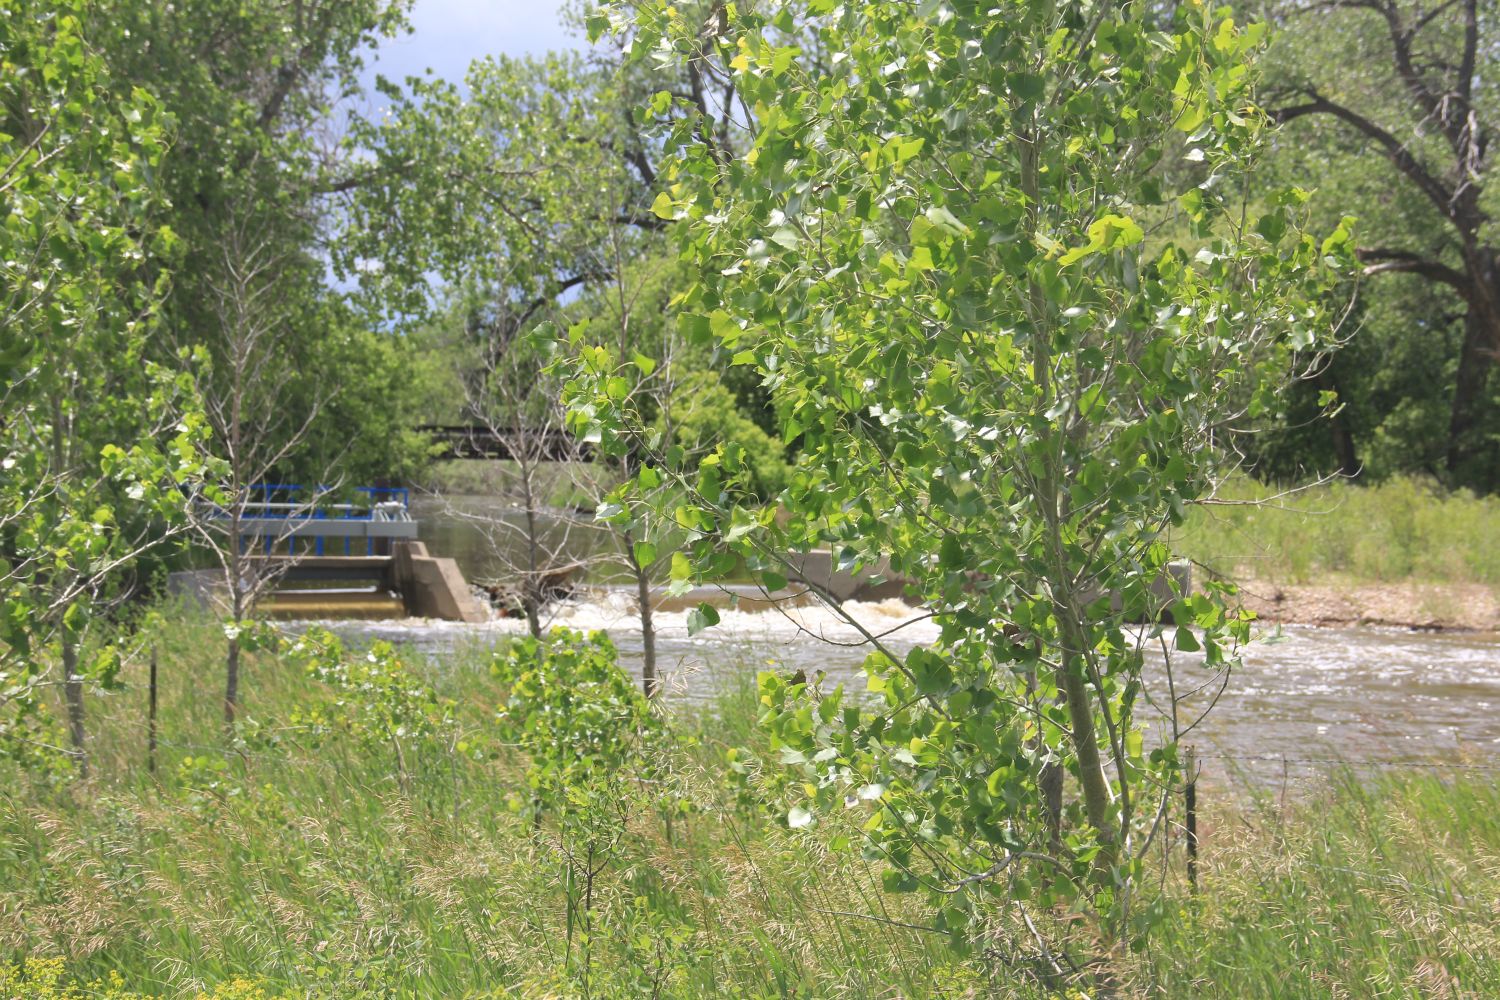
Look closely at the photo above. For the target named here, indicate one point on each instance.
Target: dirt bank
(1428, 606)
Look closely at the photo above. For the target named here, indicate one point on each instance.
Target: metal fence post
(151, 716)
(1190, 794)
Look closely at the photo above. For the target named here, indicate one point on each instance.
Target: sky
(447, 35)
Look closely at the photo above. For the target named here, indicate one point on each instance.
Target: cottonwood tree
(949, 255)
(95, 439)
(258, 90)
(1397, 97)
(626, 312)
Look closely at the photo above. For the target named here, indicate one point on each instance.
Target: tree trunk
(237, 603)
(1097, 800)
(73, 695)
(231, 679)
(532, 606)
(1481, 344)
(1050, 497)
(531, 584)
(649, 680)
(1338, 429)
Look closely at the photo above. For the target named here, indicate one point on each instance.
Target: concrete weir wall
(408, 581)
(432, 587)
(877, 583)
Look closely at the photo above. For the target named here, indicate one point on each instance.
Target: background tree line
(1387, 111)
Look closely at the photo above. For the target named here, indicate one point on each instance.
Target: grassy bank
(319, 854)
(1400, 530)
(1366, 886)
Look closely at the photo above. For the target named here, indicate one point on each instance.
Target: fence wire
(1436, 765)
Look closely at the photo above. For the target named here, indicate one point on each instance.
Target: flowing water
(1355, 694)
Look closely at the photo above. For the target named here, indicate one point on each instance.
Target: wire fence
(1351, 762)
(1194, 761)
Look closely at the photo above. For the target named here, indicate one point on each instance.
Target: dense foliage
(97, 439)
(949, 256)
(248, 186)
(1390, 111)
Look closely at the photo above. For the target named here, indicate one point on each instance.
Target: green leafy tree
(529, 199)
(947, 253)
(706, 416)
(596, 752)
(97, 441)
(257, 90)
(1390, 108)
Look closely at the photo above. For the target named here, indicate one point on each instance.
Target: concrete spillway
(408, 582)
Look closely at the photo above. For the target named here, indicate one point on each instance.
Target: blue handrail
(288, 508)
(376, 494)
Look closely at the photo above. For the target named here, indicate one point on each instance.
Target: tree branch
(1382, 260)
(1440, 194)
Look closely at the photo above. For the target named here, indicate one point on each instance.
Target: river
(1309, 694)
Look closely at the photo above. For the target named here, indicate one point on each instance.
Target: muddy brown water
(1308, 694)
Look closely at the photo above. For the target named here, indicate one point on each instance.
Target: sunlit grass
(306, 867)
(1378, 885)
(1403, 529)
(319, 870)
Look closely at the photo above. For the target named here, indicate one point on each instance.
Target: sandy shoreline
(1469, 607)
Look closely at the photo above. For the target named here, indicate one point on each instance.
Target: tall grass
(288, 863)
(308, 865)
(1401, 529)
(1373, 886)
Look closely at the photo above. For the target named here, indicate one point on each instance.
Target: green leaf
(906, 149)
(663, 207)
(946, 221)
(704, 616)
(787, 237)
(1105, 233)
(951, 553)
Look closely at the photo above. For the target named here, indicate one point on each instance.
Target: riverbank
(1402, 554)
(334, 847)
(1392, 532)
(1409, 604)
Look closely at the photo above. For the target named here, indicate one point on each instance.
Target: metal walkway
(277, 513)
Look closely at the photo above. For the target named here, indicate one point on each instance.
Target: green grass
(1402, 529)
(1372, 886)
(288, 866)
(303, 867)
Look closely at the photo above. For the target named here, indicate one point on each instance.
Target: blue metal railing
(277, 500)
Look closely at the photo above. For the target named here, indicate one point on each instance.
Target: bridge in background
(480, 441)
